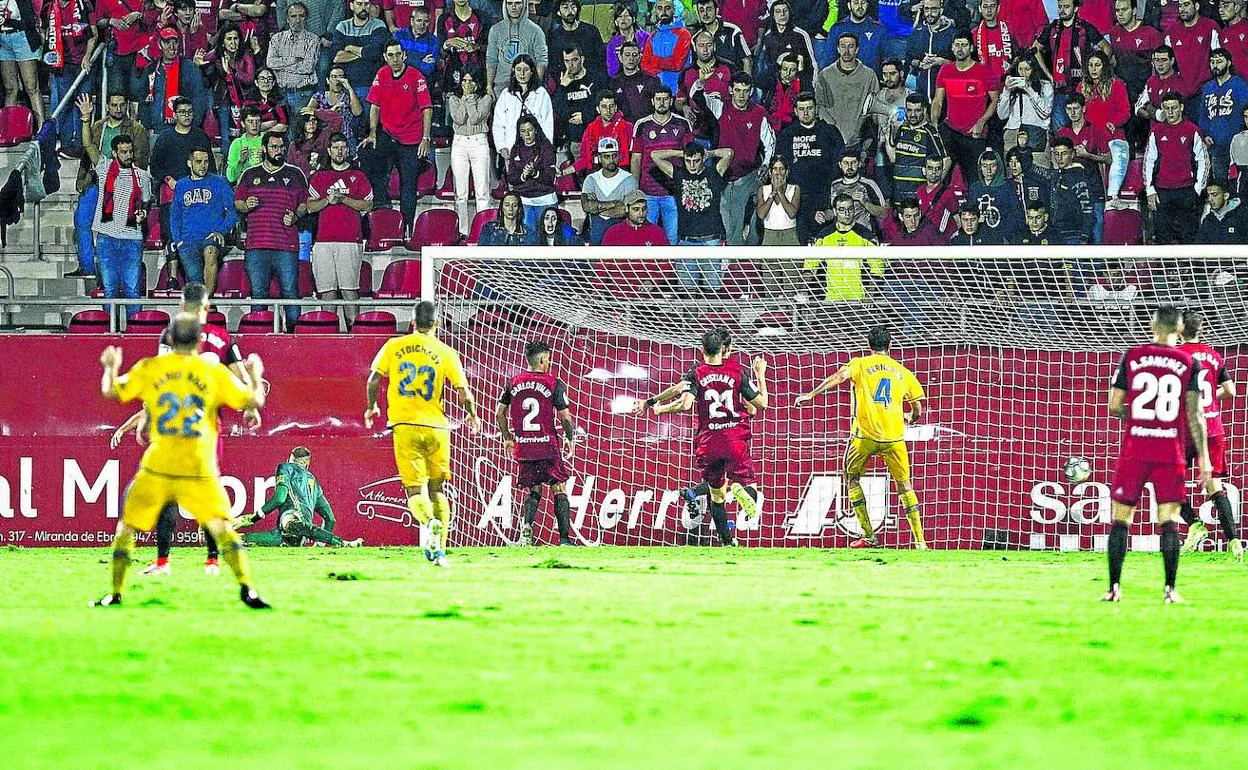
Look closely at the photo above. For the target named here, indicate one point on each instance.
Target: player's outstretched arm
(1198, 431)
(840, 376)
(469, 404)
(1117, 402)
(760, 374)
(676, 406)
(667, 394)
(126, 427)
(372, 388)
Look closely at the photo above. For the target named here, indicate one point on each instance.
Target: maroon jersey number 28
(1156, 379)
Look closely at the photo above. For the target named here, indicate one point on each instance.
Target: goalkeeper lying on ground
(297, 497)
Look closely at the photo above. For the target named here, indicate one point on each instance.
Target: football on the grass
(1077, 469)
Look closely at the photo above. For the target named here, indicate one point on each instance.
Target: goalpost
(1013, 346)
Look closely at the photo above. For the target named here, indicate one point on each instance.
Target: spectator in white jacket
(523, 95)
(1025, 106)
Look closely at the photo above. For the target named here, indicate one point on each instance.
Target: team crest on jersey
(653, 134)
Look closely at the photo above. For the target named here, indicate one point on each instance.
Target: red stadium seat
(385, 230)
(427, 182)
(400, 281)
(216, 318)
(366, 279)
(742, 278)
(632, 279)
(375, 322)
(147, 322)
(1133, 184)
(479, 222)
(98, 291)
(716, 320)
(161, 291)
(566, 186)
(256, 322)
(89, 322)
(447, 191)
(435, 227)
(317, 322)
(456, 280)
(1123, 227)
(393, 187)
(17, 125)
(154, 240)
(774, 319)
(232, 281)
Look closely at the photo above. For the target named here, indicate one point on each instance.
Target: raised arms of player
(841, 375)
(110, 360)
(667, 394)
(760, 373)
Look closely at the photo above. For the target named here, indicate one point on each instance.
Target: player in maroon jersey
(1215, 385)
(215, 344)
(526, 414)
(721, 390)
(1156, 391)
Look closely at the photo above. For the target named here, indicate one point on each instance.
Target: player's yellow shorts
(422, 453)
(204, 498)
(893, 453)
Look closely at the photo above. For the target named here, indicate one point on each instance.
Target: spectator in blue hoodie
(1222, 101)
(1000, 211)
(200, 217)
(667, 52)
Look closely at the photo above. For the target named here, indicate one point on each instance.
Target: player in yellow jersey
(181, 393)
(420, 367)
(883, 387)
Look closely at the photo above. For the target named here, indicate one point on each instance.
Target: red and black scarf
(110, 186)
(58, 28)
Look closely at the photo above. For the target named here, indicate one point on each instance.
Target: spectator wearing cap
(635, 230)
(1219, 110)
(609, 123)
(667, 51)
(169, 77)
(470, 111)
(513, 36)
(602, 194)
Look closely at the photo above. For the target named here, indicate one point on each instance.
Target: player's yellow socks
(123, 544)
(442, 510)
(858, 501)
(910, 502)
(235, 555)
(420, 507)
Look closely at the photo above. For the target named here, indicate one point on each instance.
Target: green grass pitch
(624, 657)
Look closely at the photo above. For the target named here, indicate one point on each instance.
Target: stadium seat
(162, 282)
(17, 125)
(717, 320)
(492, 319)
(774, 319)
(435, 227)
(317, 322)
(375, 322)
(400, 281)
(447, 191)
(633, 279)
(366, 279)
(154, 240)
(742, 279)
(89, 322)
(1123, 227)
(456, 280)
(147, 322)
(98, 291)
(216, 318)
(232, 281)
(385, 230)
(427, 182)
(1133, 184)
(393, 187)
(479, 221)
(256, 322)
(567, 188)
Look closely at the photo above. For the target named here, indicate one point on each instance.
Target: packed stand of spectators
(276, 126)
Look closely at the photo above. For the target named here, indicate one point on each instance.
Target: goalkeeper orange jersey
(419, 366)
(181, 394)
(881, 386)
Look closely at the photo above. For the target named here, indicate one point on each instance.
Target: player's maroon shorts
(534, 472)
(1217, 455)
(721, 454)
(1131, 475)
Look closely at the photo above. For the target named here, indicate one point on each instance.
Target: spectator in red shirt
(994, 40)
(1234, 33)
(340, 194)
(1165, 79)
(1106, 107)
(399, 118)
(132, 23)
(1063, 49)
(938, 197)
(635, 231)
(743, 128)
(703, 88)
(1026, 19)
(966, 88)
(1192, 37)
(1176, 168)
(273, 196)
(609, 123)
(1132, 43)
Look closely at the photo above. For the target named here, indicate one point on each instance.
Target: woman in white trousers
(470, 112)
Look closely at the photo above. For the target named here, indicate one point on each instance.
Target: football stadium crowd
(291, 130)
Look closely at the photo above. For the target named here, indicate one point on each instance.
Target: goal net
(1014, 346)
